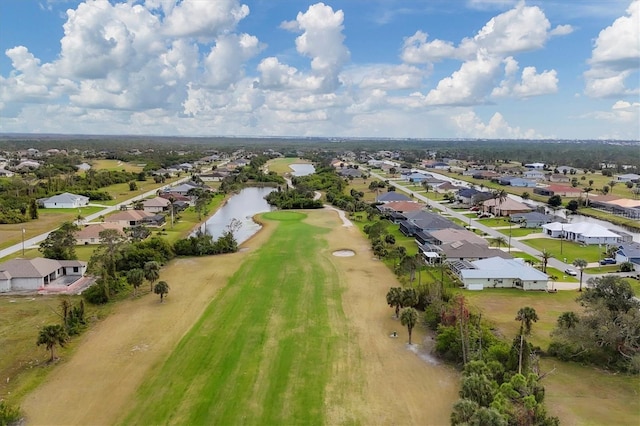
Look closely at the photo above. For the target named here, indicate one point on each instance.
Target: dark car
(608, 261)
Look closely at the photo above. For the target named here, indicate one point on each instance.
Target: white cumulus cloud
(615, 56)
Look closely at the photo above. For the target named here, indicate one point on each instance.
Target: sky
(494, 69)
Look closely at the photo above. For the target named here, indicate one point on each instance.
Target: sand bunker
(344, 253)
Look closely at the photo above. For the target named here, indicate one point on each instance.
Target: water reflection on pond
(300, 169)
(242, 207)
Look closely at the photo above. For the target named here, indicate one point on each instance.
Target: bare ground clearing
(378, 381)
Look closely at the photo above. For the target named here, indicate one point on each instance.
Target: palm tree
(587, 191)
(526, 316)
(499, 241)
(135, 277)
(580, 264)
(50, 336)
(500, 195)
(545, 255)
(409, 317)
(161, 288)
(394, 299)
(151, 272)
(568, 320)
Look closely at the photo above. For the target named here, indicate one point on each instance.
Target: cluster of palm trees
(405, 299)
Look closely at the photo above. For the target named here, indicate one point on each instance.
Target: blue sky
(507, 69)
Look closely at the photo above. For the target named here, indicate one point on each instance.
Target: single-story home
(64, 201)
(471, 196)
(90, 234)
(517, 182)
(559, 178)
(532, 219)
(562, 190)
(450, 235)
(459, 250)
(155, 205)
(629, 177)
(419, 223)
(496, 272)
(504, 207)
(34, 274)
(584, 232)
(392, 196)
(128, 218)
(629, 252)
(534, 165)
(416, 177)
(534, 174)
(6, 173)
(214, 176)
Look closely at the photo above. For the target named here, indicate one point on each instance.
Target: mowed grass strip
(262, 352)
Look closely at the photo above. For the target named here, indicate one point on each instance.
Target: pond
(300, 169)
(241, 207)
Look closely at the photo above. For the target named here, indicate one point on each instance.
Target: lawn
(520, 232)
(268, 341)
(566, 249)
(22, 317)
(116, 165)
(579, 394)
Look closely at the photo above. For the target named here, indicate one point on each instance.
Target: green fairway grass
(262, 352)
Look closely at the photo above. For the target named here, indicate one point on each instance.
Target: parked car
(571, 272)
(608, 261)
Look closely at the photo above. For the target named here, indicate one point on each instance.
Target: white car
(571, 272)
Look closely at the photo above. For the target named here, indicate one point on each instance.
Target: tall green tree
(151, 272)
(61, 243)
(161, 288)
(135, 277)
(545, 256)
(50, 336)
(394, 299)
(580, 264)
(409, 318)
(527, 316)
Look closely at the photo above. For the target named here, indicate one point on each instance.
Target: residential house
(392, 196)
(129, 218)
(562, 190)
(6, 173)
(534, 174)
(416, 177)
(459, 251)
(470, 196)
(394, 210)
(559, 178)
(629, 252)
(629, 177)
(419, 223)
(447, 187)
(214, 176)
(535, 165)
(64, 201)
(155, 205)
(38, 273)
(517, 182)
(532, 219)
(496, 272)
(487, 175)
(176, 197)
(27, 164)
(350, 172)
(449, 235)
(83, 167)
(90, 234)
(619, 206)
(583, 232)
(505, 207)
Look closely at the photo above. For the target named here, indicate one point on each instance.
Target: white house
(64, 201)
(585, 233)
(496, 272)
(629, 177)
(534, 174)
(534, 166)
(34, 274)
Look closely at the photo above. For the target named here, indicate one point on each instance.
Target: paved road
(554, 263)
(34, 241)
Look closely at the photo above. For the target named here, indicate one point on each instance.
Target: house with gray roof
(496, 272)
(460, 251)
(65, 200)
(629, 252)
(532, 219)
(39, 273)
(392, 196)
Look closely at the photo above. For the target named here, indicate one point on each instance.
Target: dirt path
(399, 385)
